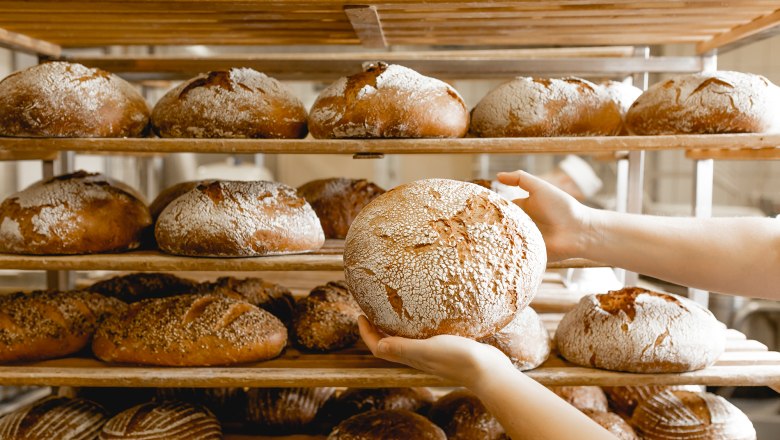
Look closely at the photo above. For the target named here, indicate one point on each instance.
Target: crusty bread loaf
(462, 416)
(524, 340)
(689, 415)
(190, 330)
(59, 99)
(170, 194)
(707, 102)
(542, 107)
(284, 410)
(337, 201)
(623, 94)
(44, 325)
(440, 256)
(640, 331)
(388, 101)
(326, 319)
(583, 397)
(233, 103)
(238, 219)
(613, 423)
(228, 404)
(60, 418)
(623, 400)
(354, 401)
(139, 286)
(391, 424)
(78, 213)
(169, 420)
(271, 297)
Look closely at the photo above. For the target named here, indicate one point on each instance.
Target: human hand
(562, 220)
(461, 360)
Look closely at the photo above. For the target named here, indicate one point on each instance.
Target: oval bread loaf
(60, 418)
(338, 201)
(139, 286)
(624, 400)
(169, 420)
(271, 297)
(285, 410)
(327, 319)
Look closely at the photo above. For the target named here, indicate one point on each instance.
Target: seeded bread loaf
(169, 420)
(271, 297)
(60, 418)
(392, 424)
(462, 416)
(338, 201)
(326, 319)
(524, 340)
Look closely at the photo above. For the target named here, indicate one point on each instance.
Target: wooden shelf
(735, 154)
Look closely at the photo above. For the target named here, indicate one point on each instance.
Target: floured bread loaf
(462, 416)
(78, 213)
(640, 331)
(613, 423)
(392, 424)
(524, 340)
(583, 398)
(238, 219)
(354, 401)
(440, 256)
(326, 319)
(284, 410)
(170, 194)
(388, 101)
(60, 99)
(542, 107)
(169, 420)
(707, 102)
(623, 400)
(60, 418)
(623, 94)
(689, 415)
(338, 201)
(233, 103)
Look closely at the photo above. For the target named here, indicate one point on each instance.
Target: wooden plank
(25, 43)
(6, 155)
(365, 21)
(735, 154)
(760, 28)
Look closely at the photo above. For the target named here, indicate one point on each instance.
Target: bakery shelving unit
(45, 27)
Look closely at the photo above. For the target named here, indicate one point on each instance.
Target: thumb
(396, 349)
(522, 179)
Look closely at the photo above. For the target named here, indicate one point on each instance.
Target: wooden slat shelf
(735, 154)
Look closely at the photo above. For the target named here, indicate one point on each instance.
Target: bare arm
(738, 256)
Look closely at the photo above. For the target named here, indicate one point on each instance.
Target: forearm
(728, 255)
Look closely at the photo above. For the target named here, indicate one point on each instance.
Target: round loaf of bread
(391, 424)
(623, 94)
(441, 256)
(354, 401)
(234, 103)
(338, 201)
(542, 107)
(326, 319)
(60, 418)
(388, 101)
(139, 286)
(640, 331)
(190, 330)
(524, 340)
(271, 297)
(238, 219)
(689, 415)
(170, 194)
(462, 416)
(584, 398)
(60, 99)
(169, 420)
(613, 423)
(623, 400)
(284, 410)
(707, 102)
(79, 213)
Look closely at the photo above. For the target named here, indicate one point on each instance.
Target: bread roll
(623, 400)
(440, 256)
(584, 398)
(689, 415)
(524, 340)
(463, 417)
(354, 401)
(78, 213)
(45, 325)
(60, 418)
(338, 201)
(392, 424)
(707, 102)
(228, 404)
(640, 331)
(613, 423)
(190, 330)
(542, 107)
(138, 286)
(623, 94)
(170, 194)
(59, 99)
(163, 421)
(238, 219)
(326, 319)
(233, 103)
(271, 297)
(284, 410)
(388, 101)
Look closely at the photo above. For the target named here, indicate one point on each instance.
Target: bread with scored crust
(169, 420)
(60, 418)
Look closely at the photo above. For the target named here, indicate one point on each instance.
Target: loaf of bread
(440, 256)
(542, 107)
(707, 102)
(326, 319)
(623, 94)
(354, 401)
(238, 219)
(190, 330)
(274, 298)
(50, 324)
(60, 418)
(462, 416)
(640, 331)
(169, 420)
(59, 99)
(388, 101)
(228, 404)
(170, 194)
(337, 201)
(524, 340)
(689, 415)
(392, 424)
(284, 410)
(233, 103)
(138, 286)
(78, 213)
(613, 423)
(584, 398)
(623, 400)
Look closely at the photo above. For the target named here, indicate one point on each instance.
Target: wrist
(590, 234)
(493, 380)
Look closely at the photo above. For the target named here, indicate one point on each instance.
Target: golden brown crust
(354, 401)
(139, 286)
(524, 340)
(60, 99)
(274, 298)
(326, 319)
(190, 330)
(613, 423)
(169, 420)
(338, 201)
(583, 397)
(54, 418)
(394, 424)
(284, 410)
(78, 213)
(462, 416)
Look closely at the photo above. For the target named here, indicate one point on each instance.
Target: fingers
(524, 180)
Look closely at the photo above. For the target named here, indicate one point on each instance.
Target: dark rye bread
(326, 319)
(274, 298)
(463, 416)
(190, 330)
(584, 398)
(139, 286)
(59, 418)
(392, 424)
(338, 201)
(169, 420)
(284, 410)
(354, 401)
